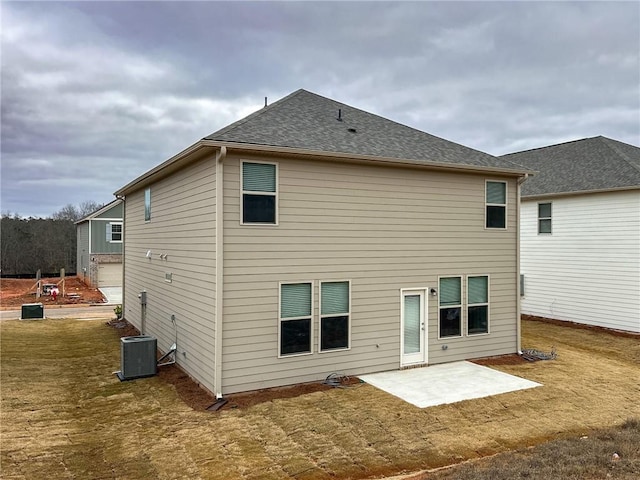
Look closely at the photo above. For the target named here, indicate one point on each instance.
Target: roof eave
(543, 196)
(290, 151)
(100, 211)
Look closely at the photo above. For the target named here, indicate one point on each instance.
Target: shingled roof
(304, 120)
(590, 164)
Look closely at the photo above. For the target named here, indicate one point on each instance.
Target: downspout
(521, 180)
(217, 324)
(124, 234)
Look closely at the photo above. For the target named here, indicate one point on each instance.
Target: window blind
(450, 291)
(295, 300)
(334, 297)
(258, 177)
(497, 193)
(478, 290)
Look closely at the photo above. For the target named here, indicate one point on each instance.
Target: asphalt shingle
(305, 120)
(597, 163)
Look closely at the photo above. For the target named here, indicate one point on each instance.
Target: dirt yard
(15, 292)
(65, 415)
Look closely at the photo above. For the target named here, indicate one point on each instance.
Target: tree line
(46, 244)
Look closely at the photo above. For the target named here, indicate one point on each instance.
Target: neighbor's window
(544, 218)
(295, 318)
(259, 193)
(477, 305)
(496, 205)
(147, 205)
(334, 315)
(450, 307)
(114, 232)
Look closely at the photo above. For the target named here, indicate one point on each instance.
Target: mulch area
(198, 398)
(16, 292)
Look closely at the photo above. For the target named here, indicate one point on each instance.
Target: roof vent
(352, 130)
(339, 115)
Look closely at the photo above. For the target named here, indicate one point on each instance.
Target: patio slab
(446, 383)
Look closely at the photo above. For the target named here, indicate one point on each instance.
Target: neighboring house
(580, 232)
(312, 237)
(99, 253)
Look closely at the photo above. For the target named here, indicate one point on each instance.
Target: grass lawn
(64, 415)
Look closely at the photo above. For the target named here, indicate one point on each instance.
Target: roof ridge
(550, 146)
(253, 115)
(610, 143)
(417, 130)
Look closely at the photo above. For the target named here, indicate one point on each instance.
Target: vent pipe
(339, 115)
(265, 101)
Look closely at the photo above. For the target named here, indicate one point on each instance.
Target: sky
(94, 94)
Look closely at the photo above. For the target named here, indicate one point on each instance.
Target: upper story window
(147, 205)
(544, 218)
(496, 204)
(259, 193)
(114, 232)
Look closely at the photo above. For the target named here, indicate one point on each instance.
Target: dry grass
(64, 415)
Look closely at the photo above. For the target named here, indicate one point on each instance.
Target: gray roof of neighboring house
(597, 163)
(304, 120)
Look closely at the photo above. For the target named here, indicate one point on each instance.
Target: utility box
(138, 357)
(31, 311)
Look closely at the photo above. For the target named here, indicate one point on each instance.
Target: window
(114, 232)
(147, 205)
(477, 305)
(450, 307)
(496, 205)
(334, 315)
(544, 218)
(259, 193)
(295, 318)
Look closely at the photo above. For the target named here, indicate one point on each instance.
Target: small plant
(118, 311)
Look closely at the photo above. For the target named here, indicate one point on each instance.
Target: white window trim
(461, 305)
(280, 319)
(505, 205)
(487, 304)
(250, 192)
(147, 220)
(321, 316)
(550, 218)
(121, 232)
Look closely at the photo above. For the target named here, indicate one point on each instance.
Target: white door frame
(421, 356)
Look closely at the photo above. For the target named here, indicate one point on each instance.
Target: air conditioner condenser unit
(138, 357)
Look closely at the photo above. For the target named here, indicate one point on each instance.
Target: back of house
(580, 233)
(311, 238)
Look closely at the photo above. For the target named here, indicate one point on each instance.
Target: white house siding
(182, 227)
(384, 229)
(588, 269)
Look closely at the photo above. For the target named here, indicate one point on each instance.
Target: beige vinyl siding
(182, 227)
(384, 229)
(588, 269)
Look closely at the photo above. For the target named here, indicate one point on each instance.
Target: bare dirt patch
(16, 292)
(64, 414)
(582, 326)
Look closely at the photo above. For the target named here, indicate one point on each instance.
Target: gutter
(219, 313)
(199, 149)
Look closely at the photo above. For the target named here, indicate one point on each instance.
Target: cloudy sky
(96, 93)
